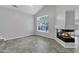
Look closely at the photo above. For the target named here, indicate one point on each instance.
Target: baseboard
(18, 37)
(51, 37)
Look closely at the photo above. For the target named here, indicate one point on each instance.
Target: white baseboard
(17, 37)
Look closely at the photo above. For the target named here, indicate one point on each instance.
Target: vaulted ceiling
(30, 9)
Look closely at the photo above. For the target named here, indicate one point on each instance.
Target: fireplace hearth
(66, 35)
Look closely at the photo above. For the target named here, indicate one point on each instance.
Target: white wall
(50, 11)
(61, 16)
(15, 24)
(60, 12)
(70, 20)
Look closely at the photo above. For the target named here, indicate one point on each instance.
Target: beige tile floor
(33, 44)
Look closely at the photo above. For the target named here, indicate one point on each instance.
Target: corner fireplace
(66, 35)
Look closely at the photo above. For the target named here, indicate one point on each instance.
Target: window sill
(43, 31)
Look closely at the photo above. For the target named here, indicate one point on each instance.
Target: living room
(34, 28)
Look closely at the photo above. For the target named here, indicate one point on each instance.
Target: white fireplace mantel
(64, 44)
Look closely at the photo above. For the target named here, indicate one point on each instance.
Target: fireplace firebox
(66, 35)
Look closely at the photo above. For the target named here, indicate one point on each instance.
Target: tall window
(42, 23)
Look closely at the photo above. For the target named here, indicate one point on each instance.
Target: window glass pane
(42, 23)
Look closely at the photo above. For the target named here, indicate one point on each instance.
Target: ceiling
(30, 9)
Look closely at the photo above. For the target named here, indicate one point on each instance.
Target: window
(42, 23)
